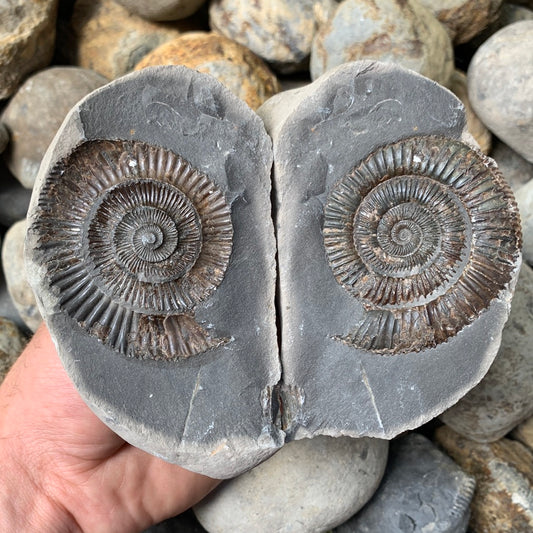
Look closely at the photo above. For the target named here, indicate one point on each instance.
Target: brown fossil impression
(135, 238)
(426, 233)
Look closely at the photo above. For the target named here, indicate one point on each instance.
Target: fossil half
(134, 238)
(425, 233)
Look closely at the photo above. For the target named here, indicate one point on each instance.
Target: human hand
(63, 470)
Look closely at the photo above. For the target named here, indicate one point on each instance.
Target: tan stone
(27, 33)
(524, 432)
(239, 69)
(503, 499)
(458, 85)
(109, 39)
(464, 18)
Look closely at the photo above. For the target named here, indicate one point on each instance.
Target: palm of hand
(75, 469)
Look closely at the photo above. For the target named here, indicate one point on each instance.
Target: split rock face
(398, 249)
(151, 250)
(148, 227)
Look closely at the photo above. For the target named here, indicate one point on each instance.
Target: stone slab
(333, 385)
(211, 411)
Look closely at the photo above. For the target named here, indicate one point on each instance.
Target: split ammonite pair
(152, 252)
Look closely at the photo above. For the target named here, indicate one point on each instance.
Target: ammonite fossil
(426, 234)
(134, 239)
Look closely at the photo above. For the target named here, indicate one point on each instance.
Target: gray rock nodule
(422, 490)
(152, 255)
(36, 111)
(151, 251)
(500, 84)
(396, 266)
(309, 485)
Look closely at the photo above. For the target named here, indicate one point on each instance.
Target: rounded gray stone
(422, 490)
(404, 33)
(504, 397)
(186, 379)
(309, 485)
(322, 134)
(15, 274)
(515, 169)
(35, 113)
(500, 84)
(162, 9)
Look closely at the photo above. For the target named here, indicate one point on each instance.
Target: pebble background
(54, 52)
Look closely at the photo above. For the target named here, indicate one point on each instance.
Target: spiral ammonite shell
(134, 238)
(426, 233)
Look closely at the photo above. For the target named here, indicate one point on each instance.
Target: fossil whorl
(133, 238)
(425, 233)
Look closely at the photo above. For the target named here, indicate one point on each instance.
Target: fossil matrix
(151, 250)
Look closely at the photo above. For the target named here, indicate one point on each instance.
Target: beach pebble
(516, 170)
(239, 69)
(110, 40)
(422, 490)
(35, 113)
(162, 9)
(464, 18)
(483, 137)
(26, 40)
(405, 33)
(15, 275)
(500, 84)
(279, 31)
(309, 485)
(503, 499)
(504, 397)
(12, 343)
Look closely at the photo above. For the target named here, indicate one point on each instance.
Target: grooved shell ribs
(425, 232)
(133, 239)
